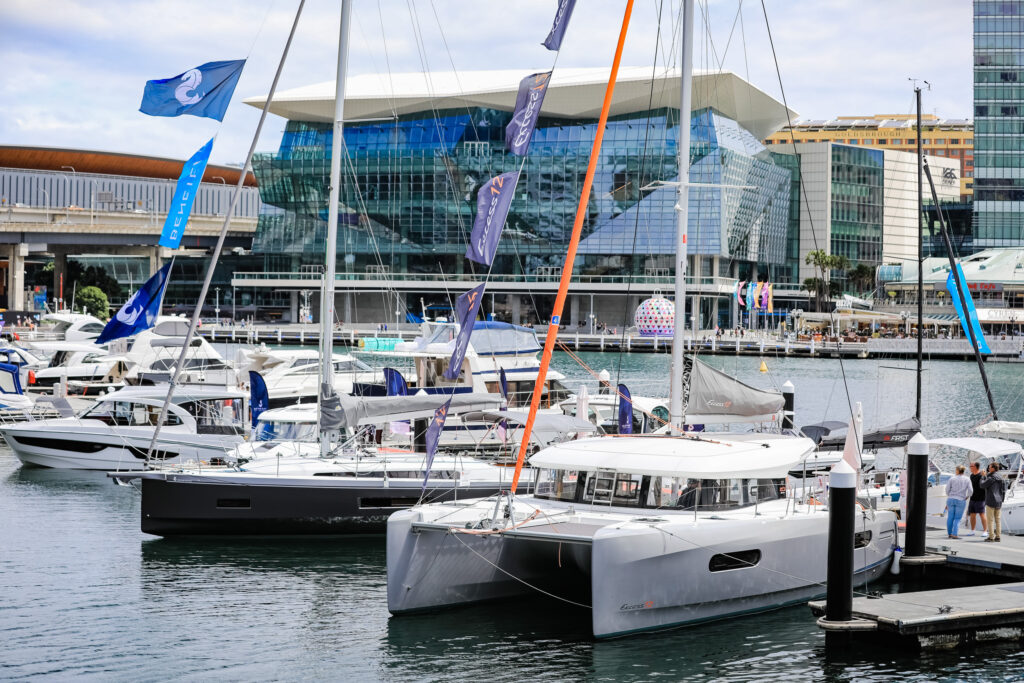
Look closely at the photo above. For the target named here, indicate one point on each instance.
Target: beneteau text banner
(184, 196)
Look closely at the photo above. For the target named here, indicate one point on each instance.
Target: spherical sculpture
(655, 317)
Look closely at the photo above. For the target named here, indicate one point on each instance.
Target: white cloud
(74, 70)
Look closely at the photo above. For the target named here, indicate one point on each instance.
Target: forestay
(737, 457)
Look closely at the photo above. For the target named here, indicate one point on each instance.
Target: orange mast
(574, 241)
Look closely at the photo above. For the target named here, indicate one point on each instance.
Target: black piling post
(917, 495)
(419, 439)
(842, 508)
(788, 402)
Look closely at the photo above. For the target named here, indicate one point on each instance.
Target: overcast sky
(73, 70)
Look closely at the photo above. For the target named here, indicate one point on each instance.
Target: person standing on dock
(976, 505)
(958, 491)
(994, 487)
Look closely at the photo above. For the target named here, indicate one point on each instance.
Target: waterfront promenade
(1007, 349)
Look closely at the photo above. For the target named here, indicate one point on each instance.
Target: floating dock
(949, 616)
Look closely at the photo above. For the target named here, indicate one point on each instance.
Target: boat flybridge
(665, 530)
(202, 424)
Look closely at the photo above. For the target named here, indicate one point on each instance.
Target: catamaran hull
(642, 577)
(175, 505)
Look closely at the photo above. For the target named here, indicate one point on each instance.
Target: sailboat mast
(682, 216)
(331, 246)
(920, 257)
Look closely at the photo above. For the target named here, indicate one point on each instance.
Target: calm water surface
(84, 594)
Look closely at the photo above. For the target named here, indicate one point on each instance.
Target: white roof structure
(574, 93)
(734, 456)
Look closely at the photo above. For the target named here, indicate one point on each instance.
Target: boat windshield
(645, 491)
(286, 431)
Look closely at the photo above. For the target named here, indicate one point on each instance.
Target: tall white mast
(682, 215)
(331, 247)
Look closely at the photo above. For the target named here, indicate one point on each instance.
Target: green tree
(94, 301)
(827, 265)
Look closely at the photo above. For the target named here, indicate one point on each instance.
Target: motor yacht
(202, 424)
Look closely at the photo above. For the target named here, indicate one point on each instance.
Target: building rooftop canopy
(574, 93)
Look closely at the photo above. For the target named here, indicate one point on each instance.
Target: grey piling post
(788, 402)
(917, 495)
(842, 500)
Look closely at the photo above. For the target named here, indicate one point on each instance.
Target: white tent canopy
(736, 457)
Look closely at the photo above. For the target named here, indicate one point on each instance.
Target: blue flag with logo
(433, 436)
(527, 111)
(492, 205)
(259, 397)
(184, 196)
(970, 317)
(557, 32)
(203, 91)
(625, 410)
(466, 308)
(140, 311)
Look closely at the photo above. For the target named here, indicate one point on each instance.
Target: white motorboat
(293, 375)
(665, 531)
(203, 424)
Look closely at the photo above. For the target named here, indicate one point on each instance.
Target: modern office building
(861, 202)
(999, 123)
(949, 138)
(419, 146)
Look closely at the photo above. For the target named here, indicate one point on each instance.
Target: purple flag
(466, 308)
(433, 435)
(524, 118)
(562, 16)
(492, 204)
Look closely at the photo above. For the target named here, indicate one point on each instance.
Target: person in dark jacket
(995, 487)
(976, 505)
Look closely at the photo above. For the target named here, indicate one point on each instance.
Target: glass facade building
(409, 194)
(998, 123)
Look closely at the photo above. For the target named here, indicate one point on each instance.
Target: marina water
(84, 593)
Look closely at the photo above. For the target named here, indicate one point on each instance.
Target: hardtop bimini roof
(734, 456)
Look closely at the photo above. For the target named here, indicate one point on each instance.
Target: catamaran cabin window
(639, 490)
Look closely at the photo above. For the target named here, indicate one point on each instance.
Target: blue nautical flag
(184, 196)
(971, 318)
(203, 91)
(259, 397)
(528, 103)
(625, 410)
(140, 311)
(466, 308)
(562, 16)
(433, 435)
(394, 383)
(492, 204)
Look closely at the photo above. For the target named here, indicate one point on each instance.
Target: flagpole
(194, 324)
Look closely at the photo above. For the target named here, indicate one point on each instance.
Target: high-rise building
(950, 138)
(998, 123)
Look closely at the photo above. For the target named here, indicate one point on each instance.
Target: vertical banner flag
(562, 16)
(739, 293)
(433, 436)
(466, 308)
(970, 316)
(203, 91)
(140, 311)
(184, 195)
(625, 410)
(527, 111)
(259, 397)
(492, 204)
